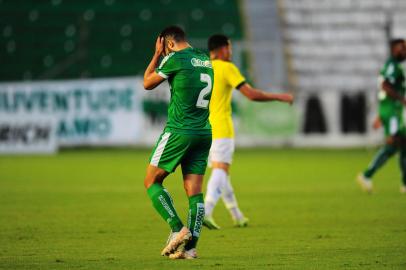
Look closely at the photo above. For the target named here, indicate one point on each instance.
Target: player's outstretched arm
(151, 78)
(390, 91)
(259, 95)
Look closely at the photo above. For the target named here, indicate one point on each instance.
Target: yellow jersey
(226, 78)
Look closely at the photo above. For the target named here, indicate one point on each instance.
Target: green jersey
(190, 76)
(393, 72)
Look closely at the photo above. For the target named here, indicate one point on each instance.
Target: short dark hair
(174, 32)
(394, 42)
(217, 41)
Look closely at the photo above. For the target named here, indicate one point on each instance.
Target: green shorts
(393, 125)
(191, 151)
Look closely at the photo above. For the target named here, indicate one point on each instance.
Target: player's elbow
(148, 86)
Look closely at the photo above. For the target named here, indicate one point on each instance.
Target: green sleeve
(168, 66)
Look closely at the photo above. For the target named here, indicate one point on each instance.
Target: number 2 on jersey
(201, 102)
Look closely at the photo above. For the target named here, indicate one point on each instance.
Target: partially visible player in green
(186, 139)
(391, 101)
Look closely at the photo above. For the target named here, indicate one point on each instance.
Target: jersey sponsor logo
(166, 206)
(166, 58)
(200, 63)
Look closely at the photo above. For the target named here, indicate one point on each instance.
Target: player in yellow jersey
(226, 78)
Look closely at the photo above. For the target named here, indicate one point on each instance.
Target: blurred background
(71, 71)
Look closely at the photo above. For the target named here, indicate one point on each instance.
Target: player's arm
(391, 92)
(377, 123)
(258, 95)
(151, 78)
(236, 80)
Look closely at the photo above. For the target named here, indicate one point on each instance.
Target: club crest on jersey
(200, 63)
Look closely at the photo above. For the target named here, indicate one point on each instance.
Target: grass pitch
(88, 210)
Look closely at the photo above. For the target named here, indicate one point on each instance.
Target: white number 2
(201, 102)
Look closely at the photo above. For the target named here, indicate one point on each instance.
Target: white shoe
(171, 236)
(365, 183)
(210, 223)
(184, 254)
(242, 222)
(403, 189)
(176, 240)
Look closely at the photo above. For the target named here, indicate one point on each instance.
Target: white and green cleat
(210, 223)
(184, 254)
(403, 190)
(176, 240)
(365, 183)
(242, 222)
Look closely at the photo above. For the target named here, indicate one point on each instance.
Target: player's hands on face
(159, 46)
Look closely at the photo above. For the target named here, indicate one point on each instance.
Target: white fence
(42, 116)
(76, 112)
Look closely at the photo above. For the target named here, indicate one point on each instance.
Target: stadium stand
(334, 50)
(337, 45)
(265, 43)
(59, 39)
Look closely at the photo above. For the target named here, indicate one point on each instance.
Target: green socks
(195, 218)
(162, 202)
(380, 158)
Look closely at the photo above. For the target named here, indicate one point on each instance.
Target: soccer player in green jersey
(186, 139)
(391, 101)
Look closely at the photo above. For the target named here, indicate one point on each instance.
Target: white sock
(230, 200)
(215, 186)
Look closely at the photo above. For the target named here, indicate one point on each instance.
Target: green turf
(88, 210)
